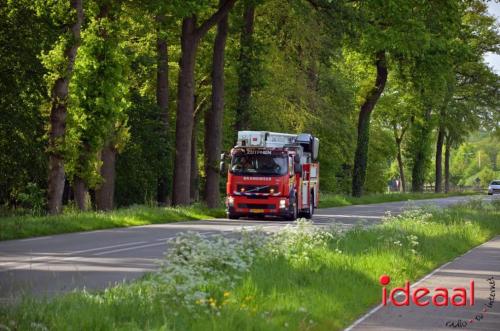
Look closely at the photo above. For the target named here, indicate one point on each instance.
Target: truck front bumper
(242, 206)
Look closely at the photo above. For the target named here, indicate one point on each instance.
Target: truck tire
(310, 211)
(232, 216)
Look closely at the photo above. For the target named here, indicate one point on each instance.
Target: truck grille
(256, 189)
(256, 206)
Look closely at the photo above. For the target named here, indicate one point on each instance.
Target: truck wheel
(232, 216)
(310, 211)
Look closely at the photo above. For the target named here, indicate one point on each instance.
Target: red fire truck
(273, 174)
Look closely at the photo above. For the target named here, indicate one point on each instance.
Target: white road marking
(37, 238)
(105, 247)
(128, 249)
(349, 216)
(30, 261)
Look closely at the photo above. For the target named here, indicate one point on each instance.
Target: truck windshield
(259, 164)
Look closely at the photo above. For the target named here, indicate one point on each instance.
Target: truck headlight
(282, 203)
(230, 201)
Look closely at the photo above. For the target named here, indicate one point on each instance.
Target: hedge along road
(98, 259)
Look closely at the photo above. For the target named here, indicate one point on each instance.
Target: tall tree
(385, 30)
(190, 37)
(447, 157)
(245, 66)
(213, 118)
(100, 101)
(361, 154)
(60, 62)
(421, 133)
(194, 191)
(431, 72)
(397, 110)
(162, 100)
(438, 187)
(471, 88)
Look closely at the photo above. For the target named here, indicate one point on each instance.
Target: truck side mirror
(222, 156)
(222, 168)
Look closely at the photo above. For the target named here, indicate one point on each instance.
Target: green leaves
(309, 66)
(99, 95)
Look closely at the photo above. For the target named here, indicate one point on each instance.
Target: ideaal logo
(440, 297)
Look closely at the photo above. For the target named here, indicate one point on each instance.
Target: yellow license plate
(257, 211)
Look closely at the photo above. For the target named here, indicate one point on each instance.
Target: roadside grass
(328, 200)
(17, 227)
(27, 226)
(300, 279)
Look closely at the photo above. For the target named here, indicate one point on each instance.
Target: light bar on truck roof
(264, 139)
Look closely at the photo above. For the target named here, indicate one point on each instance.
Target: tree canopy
(112, 103)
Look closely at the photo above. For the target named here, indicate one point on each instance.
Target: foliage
(99, 96)
(310, 67)
(476, 159)
(33, 199)
(381, 153)
(23, 99)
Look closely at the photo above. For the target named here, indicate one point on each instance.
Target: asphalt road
(97, 259)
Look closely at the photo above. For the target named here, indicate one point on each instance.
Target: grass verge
(328, 200)
(17, 227)
(300, 279)
(27, 226)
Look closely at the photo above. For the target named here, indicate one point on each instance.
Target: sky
(494, 59)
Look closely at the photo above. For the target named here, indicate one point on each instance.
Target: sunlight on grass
(17, 227)
(335, 200)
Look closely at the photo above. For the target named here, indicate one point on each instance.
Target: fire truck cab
(273, 174)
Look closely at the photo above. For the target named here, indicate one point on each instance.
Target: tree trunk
(162, 102)
(421, 153)
(184, 121)
(213, 119)
(194, 191)
(58, 112)
(361, 156)
(447, 155)
(401, 168)
(105, 192)
(439, 161)
(67, 192)
(245, 65)
(81, 193)
(190, 38)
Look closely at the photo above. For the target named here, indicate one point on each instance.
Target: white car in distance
(494, 187)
